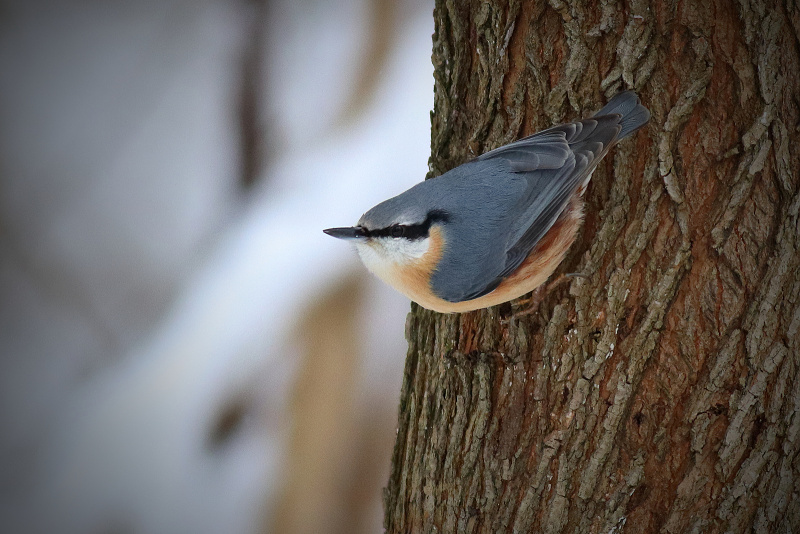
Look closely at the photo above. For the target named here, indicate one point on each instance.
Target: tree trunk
(660, 392)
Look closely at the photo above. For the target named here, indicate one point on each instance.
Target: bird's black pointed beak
(353, 232)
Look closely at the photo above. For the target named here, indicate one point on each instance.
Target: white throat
(381, 255)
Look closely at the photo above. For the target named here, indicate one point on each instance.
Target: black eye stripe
(410, 231)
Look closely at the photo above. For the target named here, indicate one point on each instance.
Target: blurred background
(182, 350)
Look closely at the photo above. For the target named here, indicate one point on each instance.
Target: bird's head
(394, 234)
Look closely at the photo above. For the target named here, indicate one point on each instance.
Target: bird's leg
(532, 304)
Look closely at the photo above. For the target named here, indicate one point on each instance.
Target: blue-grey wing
(535, 177)
(551, 166)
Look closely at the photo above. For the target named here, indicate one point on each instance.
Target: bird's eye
(397, 231)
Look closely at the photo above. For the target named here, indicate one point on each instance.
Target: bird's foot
(531, 304)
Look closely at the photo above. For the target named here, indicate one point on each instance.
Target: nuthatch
(495, 227)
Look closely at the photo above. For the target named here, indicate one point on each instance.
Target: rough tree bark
(661, 392)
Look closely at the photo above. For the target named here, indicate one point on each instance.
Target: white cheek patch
(403, 250)
(384, 253)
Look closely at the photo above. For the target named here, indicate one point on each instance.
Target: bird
(496, 227)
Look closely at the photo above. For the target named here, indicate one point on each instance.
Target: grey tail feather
(634, 114)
